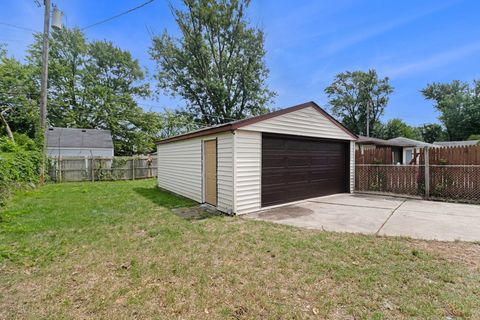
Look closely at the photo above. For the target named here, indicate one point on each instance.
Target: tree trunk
(7, 127)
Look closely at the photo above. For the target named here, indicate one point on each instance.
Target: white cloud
(434, 61)
(380, 29)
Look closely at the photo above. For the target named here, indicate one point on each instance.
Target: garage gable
(308, 121)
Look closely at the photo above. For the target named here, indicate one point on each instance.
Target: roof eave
(241, 123)
(195, 134)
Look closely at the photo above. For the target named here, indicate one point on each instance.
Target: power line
(18, 27)
(118, 15)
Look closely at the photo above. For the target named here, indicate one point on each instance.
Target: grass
(115, 250)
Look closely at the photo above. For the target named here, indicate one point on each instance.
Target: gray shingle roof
(381, 142)
(457, 143)
(411, 142)
(78, 138)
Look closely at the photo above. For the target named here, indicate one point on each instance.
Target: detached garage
(244, 166)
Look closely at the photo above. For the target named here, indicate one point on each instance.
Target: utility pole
(43, 86)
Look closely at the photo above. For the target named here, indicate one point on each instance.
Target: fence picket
(91, 169)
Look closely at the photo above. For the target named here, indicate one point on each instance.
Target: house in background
(403, 149)
(79, 143)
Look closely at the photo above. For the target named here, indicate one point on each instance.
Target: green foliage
(23, 166)
(18, 96)
(17, 169)
(432, 132)
(19, 164)
(217, 65)
(397, 128)
(95, 85)
(7, 145)
(474, 137)
(177, 122)
(353, 93)
(459, 107)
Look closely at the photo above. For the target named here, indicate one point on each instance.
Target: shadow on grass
(164, 198)
(180, 206)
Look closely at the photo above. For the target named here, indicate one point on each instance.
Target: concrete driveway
(372, 214)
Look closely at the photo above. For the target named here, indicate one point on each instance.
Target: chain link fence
(451, 173)
(459, 182)
(398, 179)
(450, 182)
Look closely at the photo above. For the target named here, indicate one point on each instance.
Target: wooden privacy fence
(447, 173)
(101, 169)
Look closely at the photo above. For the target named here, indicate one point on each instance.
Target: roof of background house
(411, 142)
(240, 123)
(78, 138)
(382, 142)
(457, 143)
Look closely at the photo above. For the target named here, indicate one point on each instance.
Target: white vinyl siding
(248, 171)
(79, 152)
(304, 122)
(225, 172)
(180, 168)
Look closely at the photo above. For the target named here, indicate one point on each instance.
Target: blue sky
(412, 42)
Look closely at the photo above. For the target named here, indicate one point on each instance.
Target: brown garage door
(296, 168)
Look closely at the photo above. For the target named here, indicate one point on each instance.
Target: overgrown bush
(19, 165)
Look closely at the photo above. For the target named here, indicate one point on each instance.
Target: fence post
(60, 168)
(426, 156)
(133, 168)
(92, 170)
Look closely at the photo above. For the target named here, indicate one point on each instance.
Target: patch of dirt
(465, 253)
(282, 213)
(195, 213)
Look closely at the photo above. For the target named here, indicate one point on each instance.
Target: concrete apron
(381, 215)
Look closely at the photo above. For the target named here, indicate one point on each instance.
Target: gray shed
(73, 142)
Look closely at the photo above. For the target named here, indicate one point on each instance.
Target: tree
(67, 58)
(397, 128)
(474, 137)
(352, 94)
(459, 107)
(217, 65)
(432, 132)
(18, 97)
(96, 85)
(177, 122)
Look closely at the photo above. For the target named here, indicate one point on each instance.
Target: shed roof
(457, 143)
(382, 142)
(412, 143)
(229, 126)
(78, 138)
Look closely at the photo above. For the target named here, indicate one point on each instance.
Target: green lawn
(115, 250)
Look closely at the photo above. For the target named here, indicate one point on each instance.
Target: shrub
(7, 145)
(24, 142)
(18, 167)
(474, 137)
